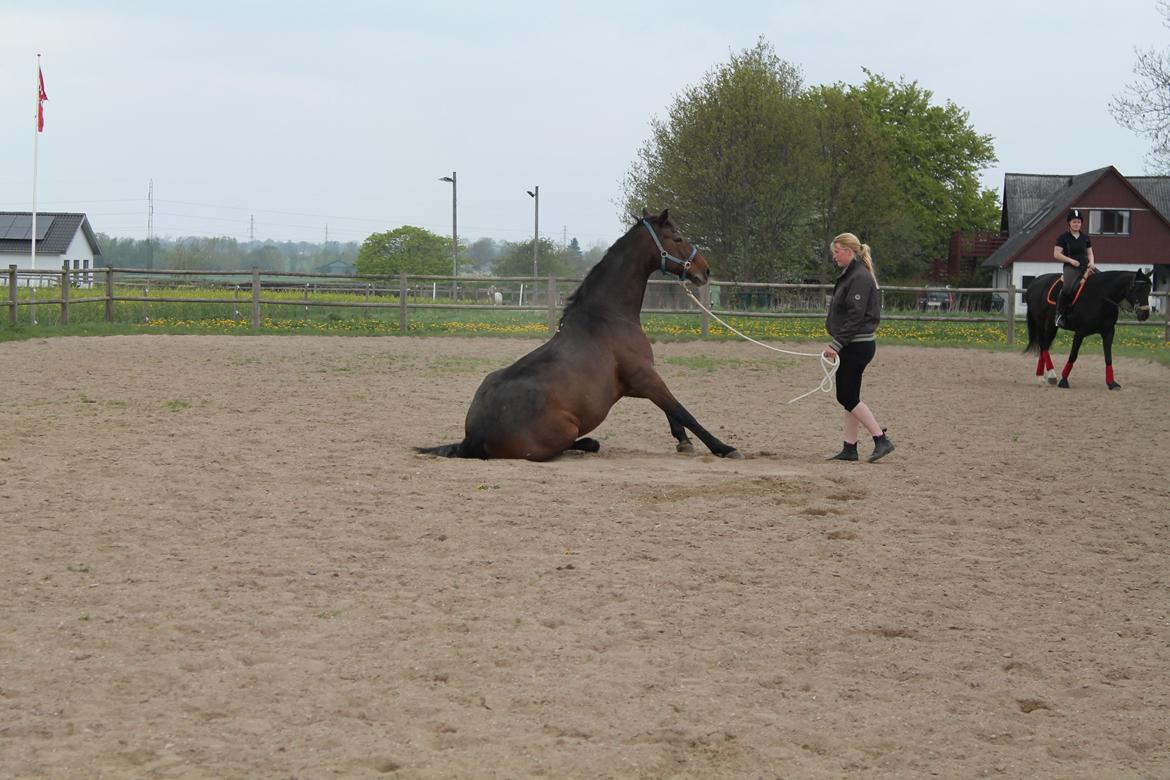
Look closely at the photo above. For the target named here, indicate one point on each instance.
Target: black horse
(1094, 310)
(543, 404)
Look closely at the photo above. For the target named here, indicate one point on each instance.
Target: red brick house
(1129, 223)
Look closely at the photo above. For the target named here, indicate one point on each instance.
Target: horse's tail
(1033, 332)
(443, 450)
(1036, 314)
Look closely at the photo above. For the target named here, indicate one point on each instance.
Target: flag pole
(36, 138)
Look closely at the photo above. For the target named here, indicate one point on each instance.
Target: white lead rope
(828, 365)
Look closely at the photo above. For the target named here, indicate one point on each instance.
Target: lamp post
(535, 193)
(454, 231)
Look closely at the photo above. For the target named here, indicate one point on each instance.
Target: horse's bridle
(1125, 297)
(685, 265)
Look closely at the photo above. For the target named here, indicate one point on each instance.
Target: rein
(685, 265)
(828, 365)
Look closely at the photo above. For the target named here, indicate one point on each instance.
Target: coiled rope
(828, 365)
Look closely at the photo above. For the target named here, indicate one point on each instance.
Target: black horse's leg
(1107, 345)
(1047, 336)
(679, 432)
(1072, 358)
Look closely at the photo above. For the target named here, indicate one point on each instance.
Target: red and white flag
(41, 98)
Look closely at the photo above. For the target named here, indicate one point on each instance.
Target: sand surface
(220, 557)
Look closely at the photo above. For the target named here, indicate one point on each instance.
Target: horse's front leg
(679, 432)
(1107, 346)
(1072, 358)
(646, 383)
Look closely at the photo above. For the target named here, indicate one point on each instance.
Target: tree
(410, 249)
(1144, 107)
(730, 164)
(516, 260)
(936, 156)
(481, 255)
(857, 187)
(762, 172)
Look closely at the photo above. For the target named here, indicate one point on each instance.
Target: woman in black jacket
(854, 314)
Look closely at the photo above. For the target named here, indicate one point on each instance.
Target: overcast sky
(341, 116)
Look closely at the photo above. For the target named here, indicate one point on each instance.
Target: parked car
(937, 299)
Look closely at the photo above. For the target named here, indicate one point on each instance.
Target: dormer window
(1108, 222)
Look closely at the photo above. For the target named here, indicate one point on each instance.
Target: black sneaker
(881, 448)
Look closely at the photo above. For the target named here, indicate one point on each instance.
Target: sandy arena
(220, 558)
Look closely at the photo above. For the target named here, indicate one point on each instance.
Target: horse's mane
(612, 256)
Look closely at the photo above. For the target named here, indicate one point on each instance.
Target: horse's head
(674, 254)
(1138, 294)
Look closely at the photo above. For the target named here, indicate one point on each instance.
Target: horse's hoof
(1062, 383)
(685, 446)
(734, 455)
(1114, 386)
(1052, 380)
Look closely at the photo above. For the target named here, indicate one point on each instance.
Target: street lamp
(535, 193)
(454, 231)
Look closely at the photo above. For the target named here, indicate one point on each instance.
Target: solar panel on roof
(20, 228)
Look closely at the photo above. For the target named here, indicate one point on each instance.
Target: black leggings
(854, 358)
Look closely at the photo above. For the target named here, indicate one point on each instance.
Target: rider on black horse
(1075, 250)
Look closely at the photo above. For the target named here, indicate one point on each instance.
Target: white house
(63, 240)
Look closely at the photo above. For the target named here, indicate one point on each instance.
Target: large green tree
(936, 157)
(410, 249)
(763, 173)
(730, 162)
(857, 188)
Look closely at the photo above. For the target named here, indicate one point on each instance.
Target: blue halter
(686, 264)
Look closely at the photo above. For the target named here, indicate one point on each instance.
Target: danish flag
(41, 98)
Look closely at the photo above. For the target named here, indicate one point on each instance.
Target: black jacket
(856, 309)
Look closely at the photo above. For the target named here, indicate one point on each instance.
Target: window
(1108, 222)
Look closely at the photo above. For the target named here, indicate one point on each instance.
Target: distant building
(1129, 223)
(63, 240)
(339, 267)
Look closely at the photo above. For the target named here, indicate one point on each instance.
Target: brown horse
(543, 404)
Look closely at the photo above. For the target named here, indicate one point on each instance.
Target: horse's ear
(664, 217)
(645, 214)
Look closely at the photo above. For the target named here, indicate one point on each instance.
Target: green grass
(197, 317)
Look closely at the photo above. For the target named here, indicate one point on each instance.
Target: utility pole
(535, 193)
(150, 227)
(453, 181)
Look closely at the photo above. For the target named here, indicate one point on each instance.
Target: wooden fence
(75, 287)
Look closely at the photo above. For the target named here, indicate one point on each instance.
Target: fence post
(12, 295)
(1011, 312)
(402, 302)
(255, 297)
(552, 304)
(705, 297)
(1165, 311)
(65, 293)
(109, 294)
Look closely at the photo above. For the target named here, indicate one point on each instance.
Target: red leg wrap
(1108, 375)
(1048, 360)
(1067, 370)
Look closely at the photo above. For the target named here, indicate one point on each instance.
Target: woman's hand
(829, 352)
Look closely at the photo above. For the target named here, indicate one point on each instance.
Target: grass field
(292, 312)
